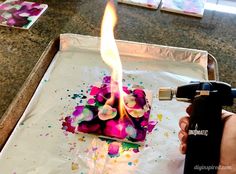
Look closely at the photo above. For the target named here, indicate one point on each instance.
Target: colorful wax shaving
(100, 117)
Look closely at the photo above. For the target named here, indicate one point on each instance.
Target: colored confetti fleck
(130, 163)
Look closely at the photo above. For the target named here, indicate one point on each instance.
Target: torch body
(205, 124)
(204, 136)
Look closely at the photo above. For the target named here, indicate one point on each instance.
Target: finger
(183, 136)
(182, 148)
(184, 123)
(226, 114)
(189, 109)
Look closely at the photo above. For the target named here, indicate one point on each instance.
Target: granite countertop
(21, 49)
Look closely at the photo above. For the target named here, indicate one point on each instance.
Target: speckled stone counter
(21, 49)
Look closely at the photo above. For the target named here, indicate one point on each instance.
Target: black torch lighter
(205, 124)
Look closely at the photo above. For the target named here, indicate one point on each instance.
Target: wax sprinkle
(95, 157)
(76, 96)
(135, 150)
(81, 139)
(65, 133)
(130, 163)
(94, 148)
(74, 166)
(159, 117)
(166, 134)
(127, 155)
(136, 161)
(127, 146)
(86, 151)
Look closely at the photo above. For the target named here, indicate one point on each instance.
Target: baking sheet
(39, 145)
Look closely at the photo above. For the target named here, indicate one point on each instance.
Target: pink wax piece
(151, 125)
(91, 101)
(126, 90)
(78, 110)
(106, 79)
(113, 149)
(94, 90)
(89, 128)
(94, 117)
(67, 125)
(144, 123)
(115, 129)
(141, 135)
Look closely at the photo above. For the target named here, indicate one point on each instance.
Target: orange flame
(110, 54)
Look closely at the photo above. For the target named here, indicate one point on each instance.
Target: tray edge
(12, 115)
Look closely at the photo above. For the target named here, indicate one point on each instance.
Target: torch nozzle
(166, 93)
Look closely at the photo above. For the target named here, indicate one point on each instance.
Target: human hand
(228, 143)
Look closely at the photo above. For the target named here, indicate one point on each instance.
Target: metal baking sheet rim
(15, 110)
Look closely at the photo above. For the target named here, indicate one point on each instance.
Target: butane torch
(205, 124)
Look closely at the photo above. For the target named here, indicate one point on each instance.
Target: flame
(110, 54)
